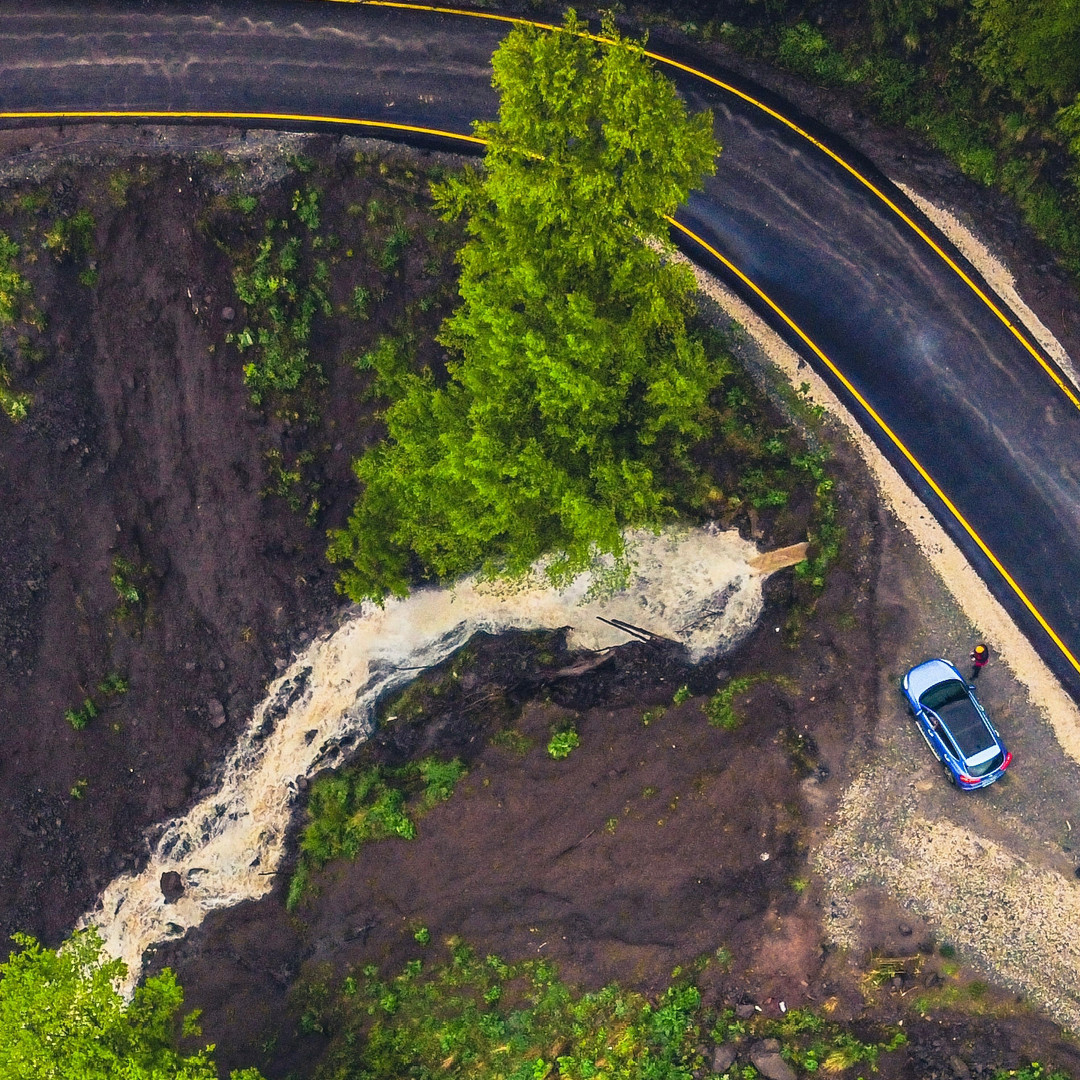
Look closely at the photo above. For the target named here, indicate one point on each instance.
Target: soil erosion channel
(699, 588)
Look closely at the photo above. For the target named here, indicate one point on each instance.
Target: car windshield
(950, 700)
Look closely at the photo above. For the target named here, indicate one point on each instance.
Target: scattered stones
(172, 886)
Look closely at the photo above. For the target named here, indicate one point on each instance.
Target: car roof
(967, 726)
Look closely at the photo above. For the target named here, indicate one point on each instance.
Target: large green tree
(575, 388)
(61, 1018)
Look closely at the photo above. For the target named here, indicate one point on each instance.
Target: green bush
(563, 742)
(488, 1019)
(72, 236)
(80, 717)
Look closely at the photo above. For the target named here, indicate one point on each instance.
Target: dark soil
(141, 443)
(639, 852)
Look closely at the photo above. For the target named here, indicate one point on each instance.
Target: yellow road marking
(889, 433)
(83, 114)
(194, 114)
(791, 125)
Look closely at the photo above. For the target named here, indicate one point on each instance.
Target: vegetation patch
(720, 708)
(356, 806)
(486, 1018)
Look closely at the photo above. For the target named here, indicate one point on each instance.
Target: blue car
(955, 725)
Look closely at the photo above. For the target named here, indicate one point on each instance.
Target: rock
(959, 1068)
(172, 886)
(905, 930)
(769, 1062)
(745, 1011)
(217, 712)
(770, 1046)
(723, 1058)
(301, 783)
(228, 314)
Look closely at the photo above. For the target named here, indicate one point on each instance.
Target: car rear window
(987, 766)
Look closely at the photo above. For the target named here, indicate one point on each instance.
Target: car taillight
(1005, 763)
(969, 780)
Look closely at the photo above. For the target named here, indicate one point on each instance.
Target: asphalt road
(970, 402)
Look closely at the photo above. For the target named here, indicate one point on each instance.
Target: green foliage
(394, 248)
(62, 1019)
(576, 389)
(682, 694)
(354, 807)
(289, 482)
(15, 291)
(805, 49)
(80, 717)
(1033, 1071)
(123, 581)
(14, 288)
(562, 742)
(307, 207)
(486, 1019)
(283, 290)
(71, 236)
(1031, 48)
(720, 708)
(391, 359)
(246, 204)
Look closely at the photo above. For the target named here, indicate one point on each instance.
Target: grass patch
(720, 708)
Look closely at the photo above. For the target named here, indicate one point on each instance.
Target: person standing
(979, 656)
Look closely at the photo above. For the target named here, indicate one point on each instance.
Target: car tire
(949, 774)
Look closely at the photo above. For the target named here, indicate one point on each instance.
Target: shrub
(80, 717)
(563, 742)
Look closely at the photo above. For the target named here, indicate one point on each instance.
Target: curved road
(972, 413)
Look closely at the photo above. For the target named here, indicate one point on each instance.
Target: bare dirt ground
(640, 851)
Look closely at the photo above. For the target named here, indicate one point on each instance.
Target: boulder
(769, 1063)
(216, 711)
(723, 1058)
(172, 886)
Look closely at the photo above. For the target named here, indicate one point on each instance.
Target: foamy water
(696, 587)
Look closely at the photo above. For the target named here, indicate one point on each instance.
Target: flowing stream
(698, 587)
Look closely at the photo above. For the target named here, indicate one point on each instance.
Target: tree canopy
(574, 388)
(61, 1018)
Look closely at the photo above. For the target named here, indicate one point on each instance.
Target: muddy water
(696, 587)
